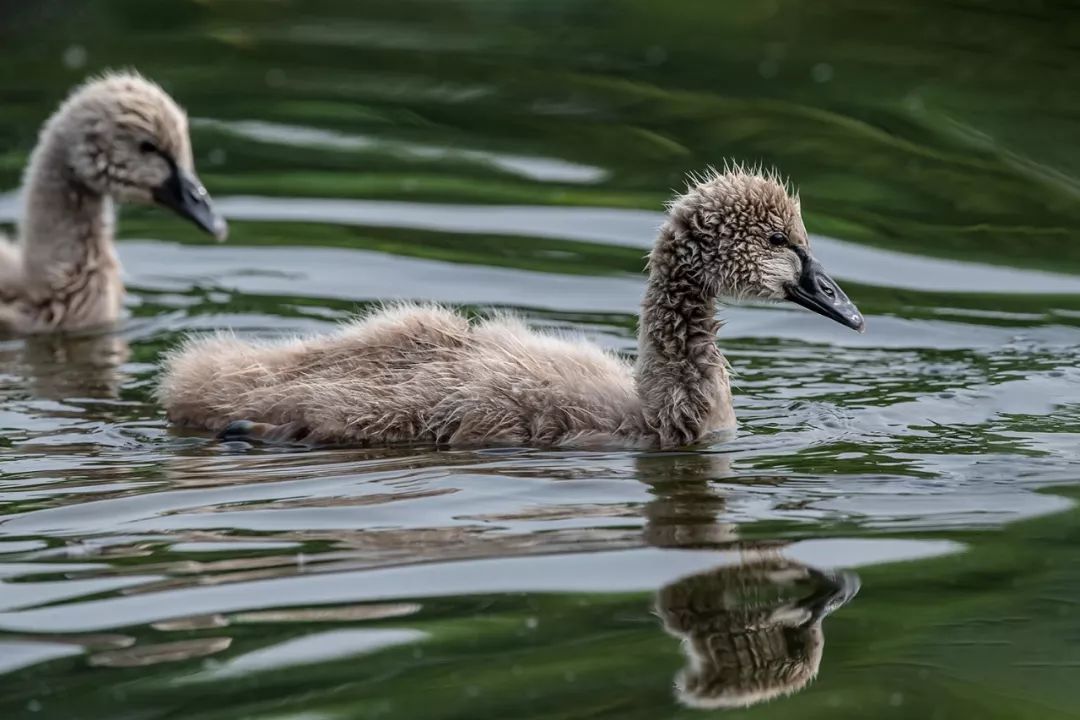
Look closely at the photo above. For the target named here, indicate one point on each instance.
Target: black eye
(779, 239)
(147, 147)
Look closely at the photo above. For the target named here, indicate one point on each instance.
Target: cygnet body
(116, 138)
(425, 374)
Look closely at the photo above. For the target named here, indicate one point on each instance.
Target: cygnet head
(741, 235)
(124, 137)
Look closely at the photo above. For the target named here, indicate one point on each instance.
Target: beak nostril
(816, 291)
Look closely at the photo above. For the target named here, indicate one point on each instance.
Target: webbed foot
(250, 431)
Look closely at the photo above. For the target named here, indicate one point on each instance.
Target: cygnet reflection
(751, 632)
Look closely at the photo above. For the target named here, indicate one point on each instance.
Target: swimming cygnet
(412, 373)
(117, 138)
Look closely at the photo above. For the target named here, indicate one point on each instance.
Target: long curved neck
(66, 229)
(681, 376)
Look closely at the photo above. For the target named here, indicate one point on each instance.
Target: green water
(516, 155)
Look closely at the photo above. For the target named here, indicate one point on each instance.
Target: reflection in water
(751, 632)
(530, 167)
(169, 652)
(685, 509)
(60, 367)
(518, 156)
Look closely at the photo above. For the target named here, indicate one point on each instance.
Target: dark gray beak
(185, 195)
(817, 291)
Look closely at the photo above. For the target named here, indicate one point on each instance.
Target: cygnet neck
(67, 228)
(680, 374)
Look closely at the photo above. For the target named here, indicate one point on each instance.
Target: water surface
(896, 516)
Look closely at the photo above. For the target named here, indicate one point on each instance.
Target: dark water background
(516, 155)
